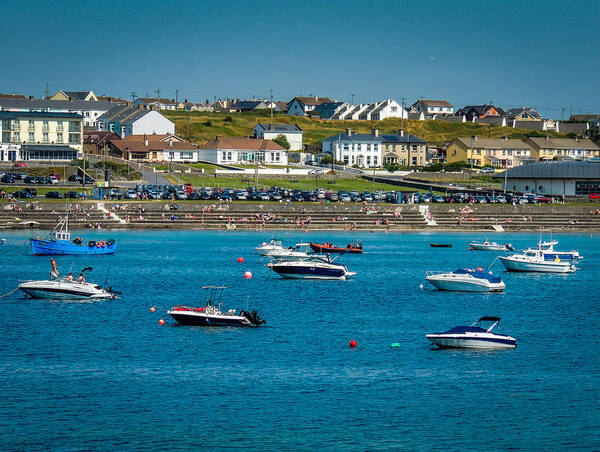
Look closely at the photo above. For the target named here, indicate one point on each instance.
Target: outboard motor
(256, 320)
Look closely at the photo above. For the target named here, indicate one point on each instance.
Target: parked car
(20, 164)
(29, 180)
(52, 180)
(115, 193)
(542, 199)
(7, 179)
(594, 195)
(22, 194)
(33, 191)
(74, 195)
(487, 170)
(75, 178)
(55, 174)
(54, 195)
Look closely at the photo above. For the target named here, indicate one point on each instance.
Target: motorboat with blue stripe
(275, 249)
(311, 267)
(473, 336)
(550, 254)
(466, 280)
(60, 243)
(211, 313)
(533, 260)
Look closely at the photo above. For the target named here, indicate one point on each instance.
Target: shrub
(282, 141)
(207, 123)
(228, 119)
(456, 166)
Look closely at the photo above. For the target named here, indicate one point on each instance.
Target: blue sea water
(105, 375)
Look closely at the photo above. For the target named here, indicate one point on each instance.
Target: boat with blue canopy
(60, 242)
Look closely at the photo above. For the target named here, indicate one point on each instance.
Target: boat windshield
(478, 274)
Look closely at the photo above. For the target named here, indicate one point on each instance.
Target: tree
(326, 159)
(282, 141)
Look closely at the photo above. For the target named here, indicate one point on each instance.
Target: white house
(158, 104)
(242, 150)
(127, 121)
(433, 107)
(388, 109)
(300, 106)
(364, 150)
(270, 131)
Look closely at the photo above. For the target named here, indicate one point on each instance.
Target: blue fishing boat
(60, 242)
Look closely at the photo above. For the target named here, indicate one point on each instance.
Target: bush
(207, 123)
(282, 141)
(228, 119)
(435, 168)
(326, 159)
(456, 166)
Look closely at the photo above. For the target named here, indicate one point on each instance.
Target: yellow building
(74, 95)
(495, 152)
(550, 148)
(48, 133)
(404, 149)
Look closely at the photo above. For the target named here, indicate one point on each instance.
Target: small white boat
(310, 268)
(266, 249)
(473, 336)
(466, 280)
(486, 245)
(61, 289)
(298, 251)
(533, 260)
(551, 254)
(2, 241)
(211, 314)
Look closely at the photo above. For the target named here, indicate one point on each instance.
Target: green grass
(314, 130)
(459, 178)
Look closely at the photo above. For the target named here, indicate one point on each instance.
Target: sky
(540, 54)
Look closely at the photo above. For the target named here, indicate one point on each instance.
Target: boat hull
(203, 320)
(58, 247)
(540, 267)
(489, 341)
(309, 272)
(62, 291)
(475, 247)
(317, 248)
(465, 286)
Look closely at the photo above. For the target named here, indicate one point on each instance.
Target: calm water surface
(105, 375)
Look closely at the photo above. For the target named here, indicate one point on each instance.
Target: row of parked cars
(30, 193)
(511, 198)
(51, 178)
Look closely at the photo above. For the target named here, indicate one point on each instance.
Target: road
(153, 178)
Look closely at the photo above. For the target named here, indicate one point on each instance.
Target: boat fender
(91, 243)
(98, 245)
(102, 243)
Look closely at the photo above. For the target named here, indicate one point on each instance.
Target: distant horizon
(512, 54)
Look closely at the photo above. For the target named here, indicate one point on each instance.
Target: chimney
(474, 137)
(348, 131)
(145, 140)
(505, 137)
(576, 139)
(547, 138)
(31, 98)
(271, 126)
(375, 132)
(401, 132)
(316, 98)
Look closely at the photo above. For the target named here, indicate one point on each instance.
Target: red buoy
(248, 275)
(479, 269)
(240, 260)
(353, 343)
(152, 309)
(161, 322)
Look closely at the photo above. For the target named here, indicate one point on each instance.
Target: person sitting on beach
(81, 279)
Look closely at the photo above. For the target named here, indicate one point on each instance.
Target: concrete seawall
(284, 216)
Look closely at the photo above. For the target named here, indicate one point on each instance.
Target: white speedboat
(473, 336)
(550, 254)
(466, 280)
(533, 260)
(63, 289)
(273, 246)
(298, 251)
(2, 241)
(211, 314)
(310, 268)
(486, 245)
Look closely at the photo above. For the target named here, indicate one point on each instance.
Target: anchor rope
(11, 292)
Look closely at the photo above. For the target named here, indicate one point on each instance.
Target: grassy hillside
(204, 126)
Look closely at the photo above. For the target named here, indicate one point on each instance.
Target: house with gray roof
(552, 148)
(554, 178)
(270, 131)
(433, 108)
(75, 95)
(361, 149)
(404, 149)
(126, 121)
(523, 114)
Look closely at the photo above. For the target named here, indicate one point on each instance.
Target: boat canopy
(465, 329)
(489, 319)
(478, 274)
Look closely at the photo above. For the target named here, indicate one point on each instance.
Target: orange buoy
(479, 269)
(152, 309)
(161, 322)
(248, 275)
(240, 260)
(353, 343)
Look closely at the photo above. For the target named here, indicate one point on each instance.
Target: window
(346, 159)
(278, 156)
(368, 147)
(45, 125)
(74, 126)
(31, 124)
(368, 160)
(587, 187)
(73, 138)
(224, 155)
(346, 148)
(414, 147)
(59, 125)
(16, 137)
(375, 160)
(31, 136)
(45, 137)
(111, 127)
(59, 137)
(394, 109)
(186, 155)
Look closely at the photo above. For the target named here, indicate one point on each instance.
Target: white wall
(153, 122)
(542, 186)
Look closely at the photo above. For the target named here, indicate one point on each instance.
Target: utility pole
(158, 98)
(46, 90)
(188, 125)
(402, 113)
(562, 114)
(133, 96)
(271, 104)
(176, 97)
(352, 99)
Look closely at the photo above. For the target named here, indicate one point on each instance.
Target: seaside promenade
(282, 216)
